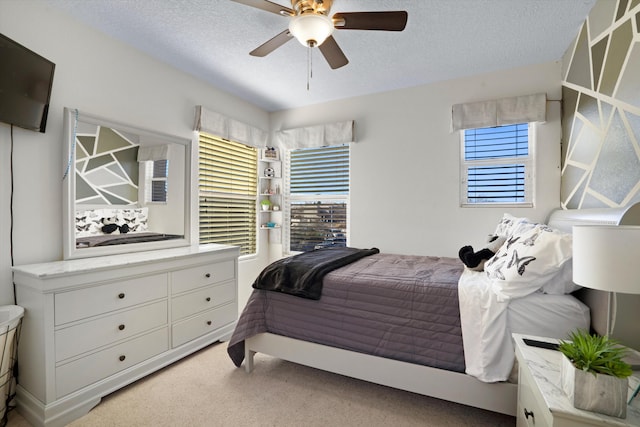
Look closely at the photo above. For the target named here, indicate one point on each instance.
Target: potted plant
(593, 373)
(266, 204)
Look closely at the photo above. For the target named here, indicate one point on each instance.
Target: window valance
(315, 136)
(153, 152)
(506, 111)
(227, 128)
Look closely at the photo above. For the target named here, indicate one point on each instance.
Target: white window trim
(530, 173)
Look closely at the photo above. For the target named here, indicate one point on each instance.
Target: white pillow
(562, 282)
(528, 260)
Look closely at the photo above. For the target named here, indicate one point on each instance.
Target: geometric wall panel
(617, 169)
(597, 57)
(601, 115)
(616, 55)
(629, 84)
(107, 168)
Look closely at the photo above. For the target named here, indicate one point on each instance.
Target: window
(228, 193)
(155, 184)
(158, 180)
(318, 187)
(497, 166)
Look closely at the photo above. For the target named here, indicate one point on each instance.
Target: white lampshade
(311, 29)
(607, 257)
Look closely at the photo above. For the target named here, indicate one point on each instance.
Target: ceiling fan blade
(383, 21)
(267, 6)
(271, 45)
(332, 53)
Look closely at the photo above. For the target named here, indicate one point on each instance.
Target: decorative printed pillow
(136, 219)
(509, 223)
(528, 260)
(89, 222)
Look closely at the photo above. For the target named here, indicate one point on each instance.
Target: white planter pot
(599, 393)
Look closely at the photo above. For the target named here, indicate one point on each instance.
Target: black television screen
(25, 86)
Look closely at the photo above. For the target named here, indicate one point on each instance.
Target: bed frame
(452, 386)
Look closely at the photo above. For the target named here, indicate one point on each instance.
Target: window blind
(497, 164)
(228, 183)
(320, 170)
(319, 190)
(496, 142)
(159, 181)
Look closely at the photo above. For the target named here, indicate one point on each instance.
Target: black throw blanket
(301, 275)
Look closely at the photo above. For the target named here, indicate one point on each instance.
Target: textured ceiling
(444, 39)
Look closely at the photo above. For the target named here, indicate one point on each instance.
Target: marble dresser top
(544, 366)
(81, 265)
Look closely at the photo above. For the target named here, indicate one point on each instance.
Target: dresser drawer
(82, 372)
(202, 299)
(197, 277)
(532, 410)
(203, 323)
(83, 303)
(106, 330)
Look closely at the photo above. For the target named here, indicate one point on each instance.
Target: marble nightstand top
(544, 366)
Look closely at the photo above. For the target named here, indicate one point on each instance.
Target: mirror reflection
(127, 188)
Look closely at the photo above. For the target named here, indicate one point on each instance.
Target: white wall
(405, 163)
(100, 76)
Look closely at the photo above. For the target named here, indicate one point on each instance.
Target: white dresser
(94, 325)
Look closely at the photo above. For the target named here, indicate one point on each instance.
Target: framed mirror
(124, 189)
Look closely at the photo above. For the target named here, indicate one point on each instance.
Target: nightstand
(541, 401)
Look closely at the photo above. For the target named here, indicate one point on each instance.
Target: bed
(130, 226)
(414, 341)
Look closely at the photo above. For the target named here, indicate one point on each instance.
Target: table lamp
(606, 257)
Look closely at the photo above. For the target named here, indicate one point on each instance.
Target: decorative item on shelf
(270, 153)
(271, 224)
(269, 172)
(594, 375)
(275, 208)
(265, 204)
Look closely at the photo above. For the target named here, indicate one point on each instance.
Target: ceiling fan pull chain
(309, 67)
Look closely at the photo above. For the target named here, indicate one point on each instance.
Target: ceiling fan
(311, 25)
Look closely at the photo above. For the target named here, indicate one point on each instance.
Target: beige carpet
(206, 389)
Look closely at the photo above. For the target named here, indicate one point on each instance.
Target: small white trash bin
(10, 325)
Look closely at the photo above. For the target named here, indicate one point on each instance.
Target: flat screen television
(26, 79)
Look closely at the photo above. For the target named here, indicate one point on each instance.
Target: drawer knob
(122, 358)
(121, 327)
(208, 299)
(209, 322)
(528, 414)
(121, 295)
(207, 275)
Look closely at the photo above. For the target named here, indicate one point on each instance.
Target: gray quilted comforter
(400, 307)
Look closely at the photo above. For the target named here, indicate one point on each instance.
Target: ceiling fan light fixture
(311, 29)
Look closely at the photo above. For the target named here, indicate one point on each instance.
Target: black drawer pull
(121, 295)
(208, 299)
(122, 358)
(121, 327)
(207, 275)
(209, 322)
(529, 413)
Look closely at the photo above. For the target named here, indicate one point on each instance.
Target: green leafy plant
(596, 354)
(265, 202)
